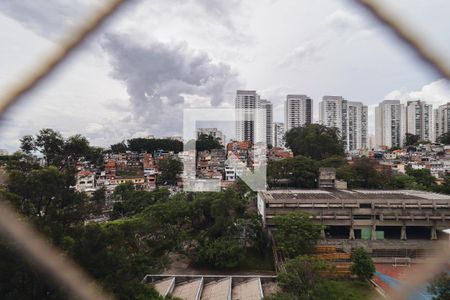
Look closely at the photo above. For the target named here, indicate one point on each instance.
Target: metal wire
(407, 37)
(35, 247)
(31, 244)
(65, 273)
(49, 65)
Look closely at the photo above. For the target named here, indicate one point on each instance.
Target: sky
(137, 73)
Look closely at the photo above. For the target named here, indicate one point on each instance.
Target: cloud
(161, 78)
(436, 93)
(307, 51)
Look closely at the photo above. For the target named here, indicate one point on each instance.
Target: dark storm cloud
(160, 77)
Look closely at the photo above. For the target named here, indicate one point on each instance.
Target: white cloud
(436, 93)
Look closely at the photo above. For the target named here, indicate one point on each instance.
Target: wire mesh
(64, 273)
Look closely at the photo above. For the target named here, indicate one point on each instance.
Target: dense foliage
(362, 264)
(296, 234)
(207, 142)
(315, 141)
(299, 171)
(170, 169)
(213, 229)
(303, 276)
(152, 145)
(58, 151)
(444, 138)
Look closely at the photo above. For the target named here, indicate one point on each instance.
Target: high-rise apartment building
(267, 105)
(442, 120)
(297, 111)
(390, 124)
(347, 116)
(356, 126)
(419, 120)
(250, 118)
(278, 135)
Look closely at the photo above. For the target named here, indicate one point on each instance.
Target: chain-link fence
(67, 275)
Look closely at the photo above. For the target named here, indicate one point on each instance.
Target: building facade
(419, 120)
(297, 111)
(278, 135)
(250, 118)
(267, 105)
(442, 120)
(347, 116)
(390, 124)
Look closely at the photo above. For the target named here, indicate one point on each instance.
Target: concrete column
(352, 234)
(322, 233)
(374, 234)
(403, 233)
(433, 233)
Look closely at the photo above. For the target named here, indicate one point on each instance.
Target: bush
(362, 264)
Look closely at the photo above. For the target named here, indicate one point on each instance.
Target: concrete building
(419, 120)
(267, 105)
(213, 132)
(357, 124)
(278, 135)
(442, 120)
(347, 116)
(250, 119)
(363, 214)
(390, 124)
(213, 287)
(297, 111)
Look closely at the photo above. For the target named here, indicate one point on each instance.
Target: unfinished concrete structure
(213, 287)
(363, 214)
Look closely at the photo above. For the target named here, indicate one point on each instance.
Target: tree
(296, 234)
(315, 141)
(444, 138)
(27, 144)
(207, 142)
(303, 276)
(411, 139)
(60, 152)
(119, 147)
(444, 188)
(51, 144)
(152, 145)
(301, 171)
(221, 253)
(423, 177)
(362, 174)
(169, 169)
(440, 287)
(362, 264)
(404, 182)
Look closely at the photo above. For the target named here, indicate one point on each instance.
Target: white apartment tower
(442, 120)
(267, 105)
(347, 116)
(419, 120)
(297, 111)
(356, 126)
(278, 135)
(250, 118)
(390, 124)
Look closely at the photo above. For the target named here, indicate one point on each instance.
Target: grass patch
(346, 290)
